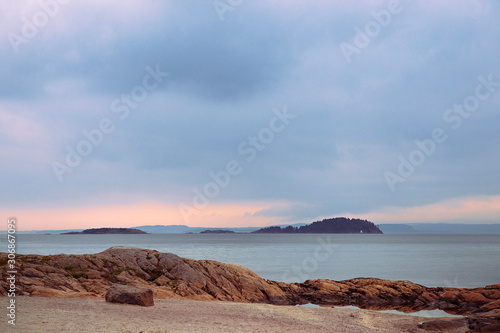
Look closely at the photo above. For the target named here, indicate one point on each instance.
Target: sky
(234, 113)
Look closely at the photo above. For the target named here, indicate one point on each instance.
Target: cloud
(480, 209)
(353, 120)
(130, 215)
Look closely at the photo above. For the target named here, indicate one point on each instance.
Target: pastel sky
(225, 113)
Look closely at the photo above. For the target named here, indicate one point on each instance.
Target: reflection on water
(426, 313)
(423, 313)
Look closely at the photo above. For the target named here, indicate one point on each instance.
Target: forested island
(96, 231)
(337, 225)
(218, 231)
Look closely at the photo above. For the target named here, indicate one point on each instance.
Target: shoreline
(47, 314)
(73, 280)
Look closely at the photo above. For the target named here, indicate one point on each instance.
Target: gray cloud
(353, 120)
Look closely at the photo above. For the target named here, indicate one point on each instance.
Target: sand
(42, 314)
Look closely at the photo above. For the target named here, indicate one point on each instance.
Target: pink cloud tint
(148, 213)
(483, 209)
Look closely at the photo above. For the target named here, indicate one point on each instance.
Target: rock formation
(119, 293)
(167, 275)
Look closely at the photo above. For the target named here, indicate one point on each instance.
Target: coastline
(44, 314)
(73, 283)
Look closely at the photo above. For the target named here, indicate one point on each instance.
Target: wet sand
(43, 314)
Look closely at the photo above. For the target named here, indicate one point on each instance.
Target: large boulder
(119, 293)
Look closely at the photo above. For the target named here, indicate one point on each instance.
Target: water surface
(430, 260)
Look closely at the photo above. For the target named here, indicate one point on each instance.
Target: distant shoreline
(401, 228)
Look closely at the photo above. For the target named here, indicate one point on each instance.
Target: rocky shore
(170, 276)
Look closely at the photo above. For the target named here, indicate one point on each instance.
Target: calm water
(430, 260)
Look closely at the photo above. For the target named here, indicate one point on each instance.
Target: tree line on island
(337, 225)
(98, 231)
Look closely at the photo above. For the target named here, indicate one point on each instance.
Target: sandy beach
(44, 314)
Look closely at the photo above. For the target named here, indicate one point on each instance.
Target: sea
(467, 261)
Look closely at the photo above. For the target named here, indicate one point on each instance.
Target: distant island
(97, 231)
(217, 232)
(337, 225)
(408, 228)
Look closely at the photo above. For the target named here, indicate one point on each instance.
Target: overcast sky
(248, 113)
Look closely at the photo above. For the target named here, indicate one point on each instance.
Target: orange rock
(119, 293)
(428, 297)
(450, 294)
(495, 305)
(473, 297)
(168, 275)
